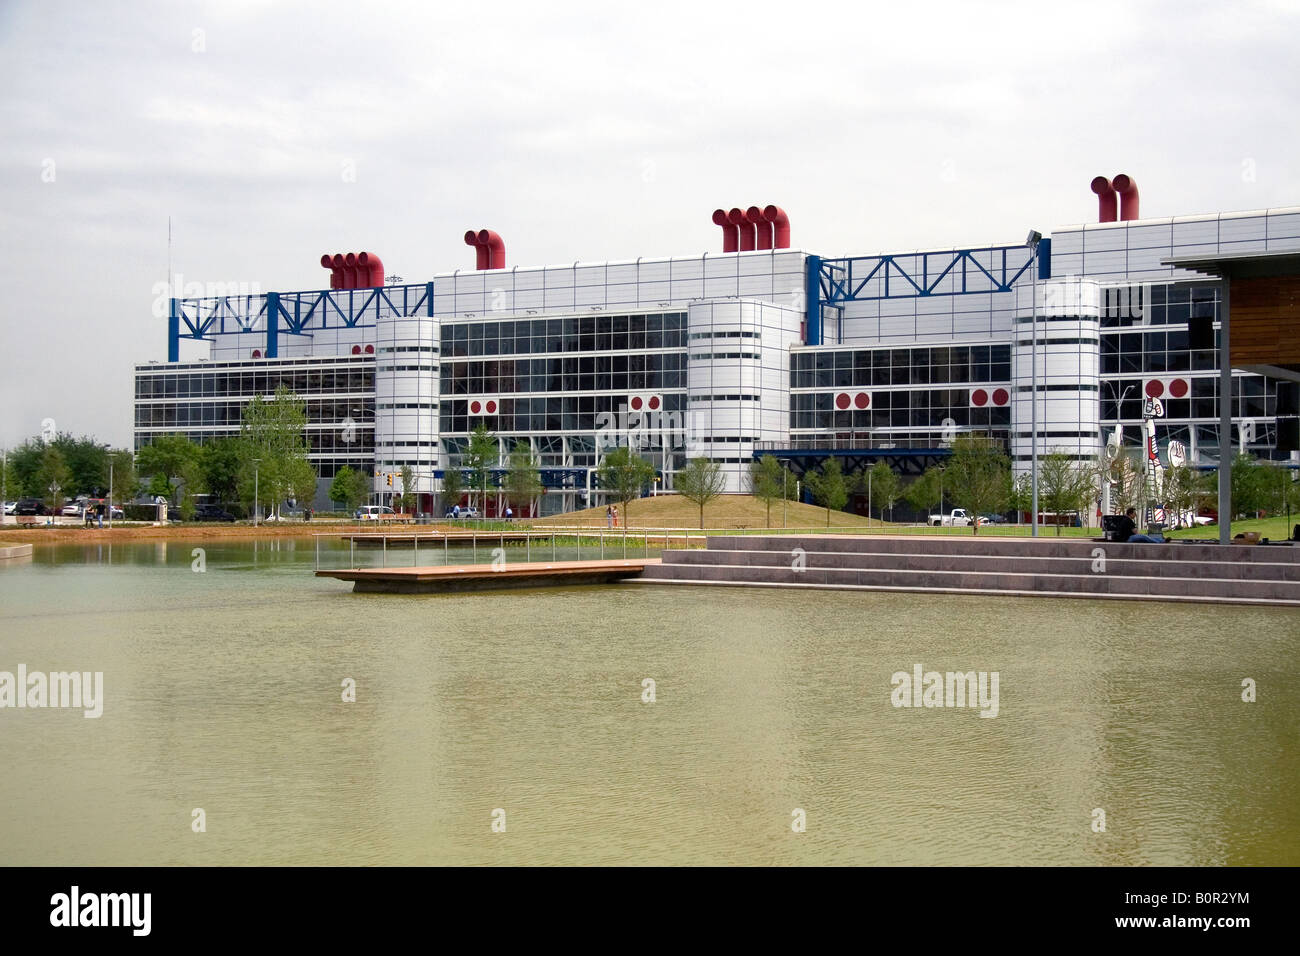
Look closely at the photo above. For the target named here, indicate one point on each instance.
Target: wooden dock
(486, 577)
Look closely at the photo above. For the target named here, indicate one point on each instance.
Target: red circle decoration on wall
(861, 400)
(842, 401)
(1154, 388)
(257, 353)
(491, 407)
(370, 350)
(356, 350)
(653, 403)
(1178, 388)
(635, 403)
(979, 398)
(475, 407)
(1001, 396)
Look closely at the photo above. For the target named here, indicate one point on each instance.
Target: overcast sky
(271, 133)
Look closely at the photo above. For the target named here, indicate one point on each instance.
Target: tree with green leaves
(11, 481)
(1248, 492)
(923, 493)
(53, 478)
(523, 479)
(220, 461)
(770, 481)
(622, 475)
(700, 482)
(168, 459)
(349, 488)
(453, 486)
(274, 435)
(978, 476)
(482, 455)
(1063, 485)
(884, 486)
(1279, 489)
(1180, 484)
(828, 487)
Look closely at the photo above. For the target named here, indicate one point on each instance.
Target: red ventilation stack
(1107, 201)
(1127, 188)
(753, 229)
(490, 249)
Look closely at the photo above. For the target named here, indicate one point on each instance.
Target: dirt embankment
(65, 534)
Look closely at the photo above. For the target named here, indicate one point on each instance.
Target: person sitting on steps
(1126, 527)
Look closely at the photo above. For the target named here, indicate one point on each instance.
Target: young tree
(923, 493)
(1248, 493)
(622, 475)
(406, 500)
(1180, 492)
(481, 456)
(701, 481)
(978, 475)
(273, 434)
(523, 481)
(1021, 499)
(769, 481)
(348, 488)
(885, 487)
(828, 487)
(11, 482)
(87, 462)
(453, 487)
(1063, 486)
(123, 475)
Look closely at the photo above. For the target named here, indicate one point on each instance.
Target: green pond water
(222, 690)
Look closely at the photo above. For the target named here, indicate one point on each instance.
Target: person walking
(609, 517)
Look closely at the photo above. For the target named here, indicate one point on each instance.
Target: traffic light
(390, 480)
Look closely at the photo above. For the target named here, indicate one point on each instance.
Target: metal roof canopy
(1228, 266)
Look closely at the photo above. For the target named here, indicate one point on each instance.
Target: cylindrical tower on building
(406, 402)
(1068, 322)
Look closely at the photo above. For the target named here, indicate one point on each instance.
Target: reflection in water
(223, 691)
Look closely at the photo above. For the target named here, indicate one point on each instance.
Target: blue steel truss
(833, 282)
(291, 313)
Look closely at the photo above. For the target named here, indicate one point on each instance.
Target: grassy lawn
(747, 513)
(1275, 529)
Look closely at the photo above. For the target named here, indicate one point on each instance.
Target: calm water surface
(223, 691)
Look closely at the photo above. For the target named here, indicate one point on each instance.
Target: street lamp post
(110, 490)
(785, 496)
(257, 511)
(1032, 241)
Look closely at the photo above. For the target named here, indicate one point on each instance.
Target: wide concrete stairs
(1064, 567)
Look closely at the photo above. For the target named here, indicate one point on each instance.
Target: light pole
(257, 511)
(110, 489)
(785, 496)
(1032, 241)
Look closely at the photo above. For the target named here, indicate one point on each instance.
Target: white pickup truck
(958, 519)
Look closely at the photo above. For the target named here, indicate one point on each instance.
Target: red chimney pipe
(340, 266)
(480, 251)
(336, 276)
(730, 234)
(1128, 197)
(370, 271)
(762, 228)
(780, 226)
(495, 246)
(746, 229)
(352, 278)
(1106, 199)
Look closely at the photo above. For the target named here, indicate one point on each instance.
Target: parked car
(31, 506)
(212, 513)
(74, 509)
(465, 513)
(374, 513)
(958, 519)
(993, 519)
(10, 506)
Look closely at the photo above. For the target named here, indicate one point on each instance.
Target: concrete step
(1097, 585)
(1007, 547)
(1079, 564)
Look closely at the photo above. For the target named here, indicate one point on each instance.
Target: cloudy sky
(270, 133)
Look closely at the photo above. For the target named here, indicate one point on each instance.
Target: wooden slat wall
(1265, 321)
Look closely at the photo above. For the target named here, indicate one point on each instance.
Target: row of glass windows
(1167, 350)
(1253, 397)
(579, 333)
(568, 413)
(852, 368)
(326, 411)
(932, 407)
(332, 447)
(304, 381)
(661, 370)
(1157, 304)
